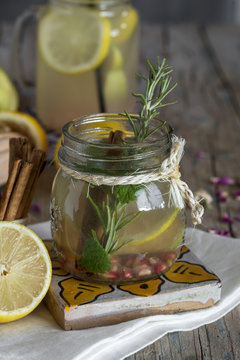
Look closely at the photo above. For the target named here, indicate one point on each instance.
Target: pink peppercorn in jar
(110, 222)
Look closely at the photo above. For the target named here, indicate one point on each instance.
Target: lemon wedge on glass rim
(73, 42)
(25, 271)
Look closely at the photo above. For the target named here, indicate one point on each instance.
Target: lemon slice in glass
(24, 124)
(123, 25)
(73, 42)
(25, 271)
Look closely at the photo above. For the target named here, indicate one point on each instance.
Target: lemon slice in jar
(139, 235)
(73, 42)
(25, 271)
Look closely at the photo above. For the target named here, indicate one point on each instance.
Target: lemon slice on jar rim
(25, 271)
(73, 42)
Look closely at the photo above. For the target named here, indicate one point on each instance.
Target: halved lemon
(24, 124)
(123, 25)
(8, 94)
(73, 42)
(25, 271)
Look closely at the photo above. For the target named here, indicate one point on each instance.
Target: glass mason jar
(85, 48)
(113, 233)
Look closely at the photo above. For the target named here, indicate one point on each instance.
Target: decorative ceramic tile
(78, 304)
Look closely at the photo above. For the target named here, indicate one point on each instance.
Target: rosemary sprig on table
(157, 89)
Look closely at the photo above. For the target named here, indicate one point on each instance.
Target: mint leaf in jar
(94, 257)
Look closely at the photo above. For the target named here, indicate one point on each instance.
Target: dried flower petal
(201, 155)
(222, 196)
(224, 233)
(222, 199)
(203, 197)
(237, 195)
(35, 207)
(219, 232)
(213, 231)
(225, 180)
(215, 180)
(226, 219)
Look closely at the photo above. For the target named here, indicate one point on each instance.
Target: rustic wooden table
(206, 63)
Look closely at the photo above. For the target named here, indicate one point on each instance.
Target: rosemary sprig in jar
(111, 212)
(157, 89)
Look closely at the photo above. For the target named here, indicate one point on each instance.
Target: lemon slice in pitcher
(25, 271)
(73, 42)
(123, 25)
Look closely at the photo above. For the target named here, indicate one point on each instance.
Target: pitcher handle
(15, 61)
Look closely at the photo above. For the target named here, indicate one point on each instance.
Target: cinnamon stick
(38, 158)
(27, 151)
(18, 193)
(116, 137)
(9, 188)
(16, 150)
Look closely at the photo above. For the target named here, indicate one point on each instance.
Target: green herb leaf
(94, 257)
(126, 193)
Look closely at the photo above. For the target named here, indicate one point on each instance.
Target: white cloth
(38, 337)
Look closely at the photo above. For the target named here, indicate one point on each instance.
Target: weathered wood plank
(210, 122)
(225, 41)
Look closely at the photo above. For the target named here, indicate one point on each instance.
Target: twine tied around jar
(179, 192)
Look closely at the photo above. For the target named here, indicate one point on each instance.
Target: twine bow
(180, 194)
(179, 190)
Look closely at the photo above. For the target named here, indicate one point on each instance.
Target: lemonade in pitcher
(86, 59)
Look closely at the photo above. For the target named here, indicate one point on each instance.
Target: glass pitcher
(87, 55)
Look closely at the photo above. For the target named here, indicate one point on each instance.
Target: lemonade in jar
(87, 55)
